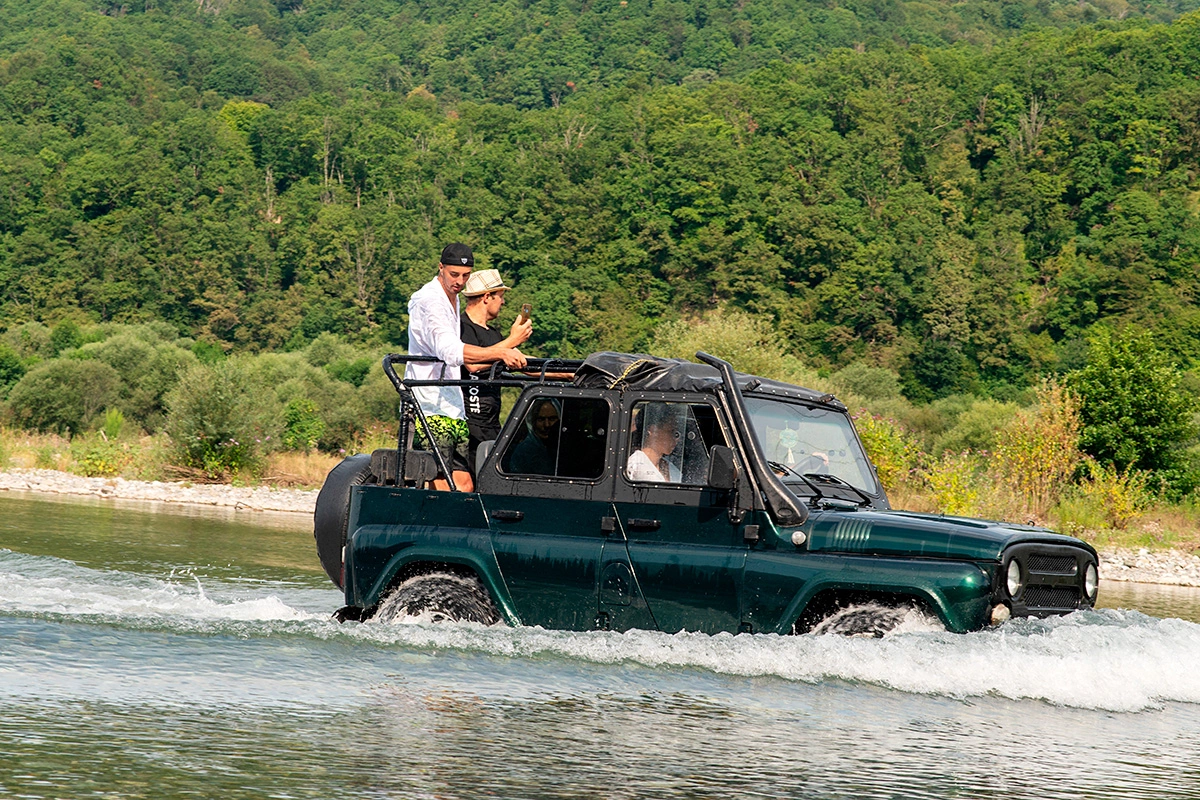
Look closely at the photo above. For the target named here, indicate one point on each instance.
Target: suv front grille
(1052, 576)
(1051, 597)
(1052, 565)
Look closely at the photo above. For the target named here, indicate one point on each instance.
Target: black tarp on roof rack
(653, 373)
(640, 371)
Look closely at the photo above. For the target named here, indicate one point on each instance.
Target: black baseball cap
(458, 254)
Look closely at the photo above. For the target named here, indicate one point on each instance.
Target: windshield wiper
(836, 481)
(781, 467)
(821, 497)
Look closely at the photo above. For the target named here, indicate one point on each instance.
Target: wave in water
(40, 585)
(1109, 660)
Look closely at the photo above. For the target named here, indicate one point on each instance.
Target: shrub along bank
(144, 401)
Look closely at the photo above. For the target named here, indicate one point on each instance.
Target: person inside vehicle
(537, 453)
(434, 330)
(660, 436)
(791, 451)
(485, 291)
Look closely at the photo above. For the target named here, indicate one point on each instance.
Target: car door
(547, 491)
(687, 556)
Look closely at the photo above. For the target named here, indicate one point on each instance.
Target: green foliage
(64, 395)
(1037, 454)
(65, 336)
(148, 370)
(954, 194)
(894, 454)
(958, 215)
(1121, 496)
(30, 341)
(114, 424)
(1132, 408)
(976, 428)
(207, 352)
(956, 483)
(220, 418)
(870, 383)
(751, 343)
(11, 368)
(98, 456)
(302, 425)
(352, 372)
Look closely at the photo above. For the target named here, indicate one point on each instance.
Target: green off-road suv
(653, 493)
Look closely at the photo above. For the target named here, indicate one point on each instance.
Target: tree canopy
(959, 193)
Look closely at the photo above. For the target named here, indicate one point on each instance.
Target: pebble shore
(1172, 567)
(259, 498)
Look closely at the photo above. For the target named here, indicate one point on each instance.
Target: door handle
(644, 524)
(509, 516)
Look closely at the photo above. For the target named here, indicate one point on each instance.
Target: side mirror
(722, 469)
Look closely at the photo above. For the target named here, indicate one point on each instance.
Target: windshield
(807, 439)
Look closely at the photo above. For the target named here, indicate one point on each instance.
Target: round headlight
(1014, 578)
(1091, 582)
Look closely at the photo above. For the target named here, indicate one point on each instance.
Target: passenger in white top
(660, 437)
(434, 330)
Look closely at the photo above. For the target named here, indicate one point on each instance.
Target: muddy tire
(874, 620)
(333, 512)
(439, 597)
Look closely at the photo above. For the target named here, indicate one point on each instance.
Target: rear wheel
(439, 597)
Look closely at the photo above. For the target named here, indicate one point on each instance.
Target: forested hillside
(957, 192)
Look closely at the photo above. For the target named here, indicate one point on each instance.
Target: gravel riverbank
(259, 498)
(1119, 564)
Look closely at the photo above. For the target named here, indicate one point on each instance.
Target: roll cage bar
(498, 375)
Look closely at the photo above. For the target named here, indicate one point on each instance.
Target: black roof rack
(497, 375)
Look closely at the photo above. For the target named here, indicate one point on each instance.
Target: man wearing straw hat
(485, 297)
(434, 329)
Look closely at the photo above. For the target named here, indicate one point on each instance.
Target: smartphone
(525, 309)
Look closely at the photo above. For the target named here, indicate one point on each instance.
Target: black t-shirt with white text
(482, 402)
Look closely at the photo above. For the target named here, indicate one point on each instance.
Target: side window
(560, 437)
(670, 442)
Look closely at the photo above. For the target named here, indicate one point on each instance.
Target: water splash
(41, 585)
(1107, 660)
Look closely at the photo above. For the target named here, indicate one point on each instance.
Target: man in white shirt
(434, 329)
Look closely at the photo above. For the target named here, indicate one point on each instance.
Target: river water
(146, 654)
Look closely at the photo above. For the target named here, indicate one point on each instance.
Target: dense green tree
(955, 193)
(1133, 409)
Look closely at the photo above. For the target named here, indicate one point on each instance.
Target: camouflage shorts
(450, 436)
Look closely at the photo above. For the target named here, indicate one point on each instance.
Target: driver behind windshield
(791, 451)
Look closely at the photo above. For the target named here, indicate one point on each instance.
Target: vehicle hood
(906, 533)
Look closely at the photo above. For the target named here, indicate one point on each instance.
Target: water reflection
(1157, 600)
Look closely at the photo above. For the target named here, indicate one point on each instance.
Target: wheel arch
(422, 561)
(831, 598)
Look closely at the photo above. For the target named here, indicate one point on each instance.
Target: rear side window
(560, 437)
(670, 443)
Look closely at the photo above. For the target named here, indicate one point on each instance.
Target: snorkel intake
(784, 506)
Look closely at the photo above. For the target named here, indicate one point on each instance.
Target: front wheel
(439, 597)
(876, 620)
